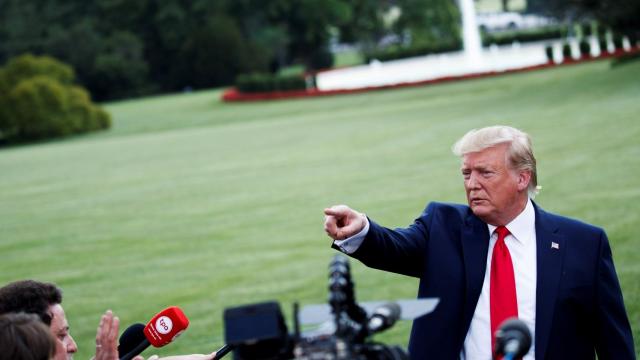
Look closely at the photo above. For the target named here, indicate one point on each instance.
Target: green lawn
(192, 202)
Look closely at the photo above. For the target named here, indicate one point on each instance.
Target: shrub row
(527, 35)
(38, 100)
(401, 52)
(263, 82)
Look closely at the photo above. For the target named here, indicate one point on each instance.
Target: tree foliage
(38, 100)
(122, 48)
(218, 45)
(367, 24)
(619, 15)
(430, 21)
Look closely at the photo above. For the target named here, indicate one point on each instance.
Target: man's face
(65, 345)
(495, 192)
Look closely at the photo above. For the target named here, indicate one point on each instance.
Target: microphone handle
(224, 350)
(137, 350)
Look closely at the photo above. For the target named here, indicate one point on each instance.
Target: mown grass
(191, 202)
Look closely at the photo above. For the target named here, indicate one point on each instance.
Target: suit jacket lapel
(475, 247)
(550, 253)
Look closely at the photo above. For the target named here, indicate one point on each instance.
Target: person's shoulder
(446, 206)
(447, 209)
(566, 223)
(585, 239)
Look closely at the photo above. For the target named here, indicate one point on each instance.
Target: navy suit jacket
(579, 306)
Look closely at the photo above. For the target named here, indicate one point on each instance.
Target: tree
(366, 25)
(216, 53)
(122, 48)
(259, 22)
(119, 69)
(620, 15)
(430, 21)
(309, 23)
(58, 27)
(300, 30)
(38, 100)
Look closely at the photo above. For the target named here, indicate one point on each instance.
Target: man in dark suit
(499, 257)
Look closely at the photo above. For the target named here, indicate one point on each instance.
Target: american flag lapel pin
(555, 245)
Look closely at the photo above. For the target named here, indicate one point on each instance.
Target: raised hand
(107, 337)
(342, 222)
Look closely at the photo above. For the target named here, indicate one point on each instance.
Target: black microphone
(513, 339)
(130, 339)
(224, 350)
(140, 347)
(383, 317)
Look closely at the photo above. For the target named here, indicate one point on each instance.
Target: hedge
(527, 35)
(263, 82)
(38, 101)
(401, 52)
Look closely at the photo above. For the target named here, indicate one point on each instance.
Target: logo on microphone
(164, 325)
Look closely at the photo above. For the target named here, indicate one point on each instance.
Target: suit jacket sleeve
(613, 337)
(400, 250)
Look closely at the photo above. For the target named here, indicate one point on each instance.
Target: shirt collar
(523, 225)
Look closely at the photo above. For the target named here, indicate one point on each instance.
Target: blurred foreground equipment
(258, 331)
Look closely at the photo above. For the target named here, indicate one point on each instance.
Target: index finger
(337, 210)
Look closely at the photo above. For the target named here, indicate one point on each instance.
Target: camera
(258, 331)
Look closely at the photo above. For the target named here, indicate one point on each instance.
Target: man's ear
(524, 178)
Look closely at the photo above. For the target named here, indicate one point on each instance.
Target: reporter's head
(43, 300)
(25, 337)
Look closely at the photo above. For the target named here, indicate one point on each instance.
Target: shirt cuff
(351, 244)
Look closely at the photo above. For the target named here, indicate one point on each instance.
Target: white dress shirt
(521, 243)
(522, 248)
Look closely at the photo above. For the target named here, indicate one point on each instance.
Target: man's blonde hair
(519, 154)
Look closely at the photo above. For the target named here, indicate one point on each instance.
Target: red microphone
(162, 329)
(166, 326)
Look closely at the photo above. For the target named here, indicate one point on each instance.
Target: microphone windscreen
(394, 311)
(384, 317)
(166, 326)
(130, 338)
(515, 332)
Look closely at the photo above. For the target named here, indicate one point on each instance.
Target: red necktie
(502, 285)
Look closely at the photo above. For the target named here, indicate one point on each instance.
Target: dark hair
(25, 337)
(31, 297)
